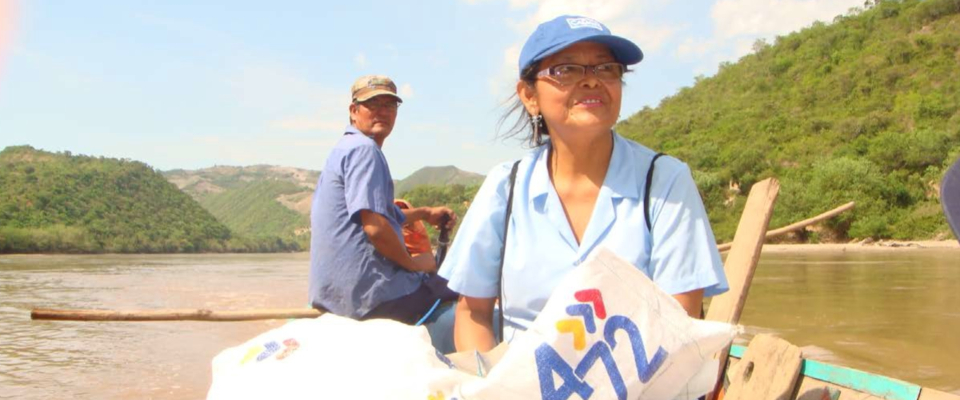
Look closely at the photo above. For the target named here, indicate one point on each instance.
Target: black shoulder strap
(646, 191)
(503, 248)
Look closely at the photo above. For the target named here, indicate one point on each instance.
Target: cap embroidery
(577, 23)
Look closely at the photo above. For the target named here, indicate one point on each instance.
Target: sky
(194, 84)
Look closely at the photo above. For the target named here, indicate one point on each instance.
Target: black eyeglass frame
(552, 74)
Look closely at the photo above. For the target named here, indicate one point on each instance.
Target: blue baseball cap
(559, 33)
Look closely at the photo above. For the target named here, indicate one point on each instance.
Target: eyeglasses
(389, 105)
(569, 74)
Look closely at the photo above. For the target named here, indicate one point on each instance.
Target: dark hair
(523, 125)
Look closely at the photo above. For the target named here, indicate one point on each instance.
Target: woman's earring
(536, 120)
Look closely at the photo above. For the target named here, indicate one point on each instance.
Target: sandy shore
(861, 246)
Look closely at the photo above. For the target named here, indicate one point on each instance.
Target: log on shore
(796, 226)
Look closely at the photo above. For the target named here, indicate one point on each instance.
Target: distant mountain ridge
(258, 200)
(201, 182)
(437, 176)
(265, 200)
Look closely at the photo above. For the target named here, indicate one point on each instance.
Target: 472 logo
(589, 308)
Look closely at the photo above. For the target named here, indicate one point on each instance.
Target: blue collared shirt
(679, 253)
(347, 275)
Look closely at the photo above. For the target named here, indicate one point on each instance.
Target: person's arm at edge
(386, 242)
(473, 324)
(692, 302)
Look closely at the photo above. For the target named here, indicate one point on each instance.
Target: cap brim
(624, 50)
(374, 93)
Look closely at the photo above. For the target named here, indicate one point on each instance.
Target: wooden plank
(172, 315)
(818, 393)
(769, 370)
(855, 384)
(742, 260)
(809, 389)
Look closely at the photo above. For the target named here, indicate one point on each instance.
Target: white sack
(582, 343)
(607, 332)
(333, 357)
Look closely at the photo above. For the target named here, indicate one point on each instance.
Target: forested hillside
(272, 203)
(253, 209)
(863, 109)
(63, 203)
(261, 201)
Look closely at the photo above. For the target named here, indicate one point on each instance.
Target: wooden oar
(200, 315)
(172, 315)
(799, 225)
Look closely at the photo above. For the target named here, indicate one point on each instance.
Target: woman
(581, 187)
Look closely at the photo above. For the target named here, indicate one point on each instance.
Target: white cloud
(740, 23)
(692, 48)
(625, 18)
(391, 50)
(503, 84)
(361, 60)
(406, 91)
(774, 17)
(513, 3)
(521, 3)
(275, 85)
(293, 102)
(305, 123)
(297, 150)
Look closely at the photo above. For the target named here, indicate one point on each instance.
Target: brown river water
(895, 313)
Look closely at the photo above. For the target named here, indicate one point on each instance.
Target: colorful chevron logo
(268, 349)
(579, 327)
(439, 396)
(550, 363)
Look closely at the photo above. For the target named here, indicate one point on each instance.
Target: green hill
(264, 201)
(260, 201)
(866, 109)
(253, 209)
(57, 202)
(437, 176)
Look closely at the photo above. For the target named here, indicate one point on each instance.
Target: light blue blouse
(679, 254)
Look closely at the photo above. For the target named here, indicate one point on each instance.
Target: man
(359, 266)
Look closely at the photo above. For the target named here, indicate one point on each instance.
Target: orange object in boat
(415, 234)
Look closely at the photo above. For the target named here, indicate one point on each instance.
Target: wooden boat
(811, 380)
(769, 368)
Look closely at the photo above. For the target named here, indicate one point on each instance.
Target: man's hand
(440, 215)
(432, 215)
